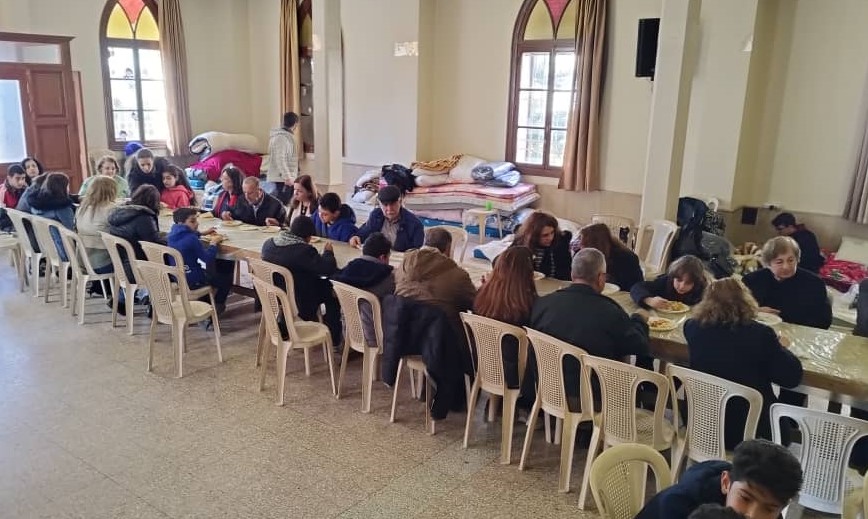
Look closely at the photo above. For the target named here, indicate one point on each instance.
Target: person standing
(811, 258)
(283, 159)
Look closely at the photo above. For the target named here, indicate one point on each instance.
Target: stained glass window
(543, 84)
(134, 73)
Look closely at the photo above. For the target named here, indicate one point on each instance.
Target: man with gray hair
(258, 207)
(582, 316)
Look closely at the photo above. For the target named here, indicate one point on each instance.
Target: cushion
(433, 180)
(420, 172)
(853, 249)
(462, 173)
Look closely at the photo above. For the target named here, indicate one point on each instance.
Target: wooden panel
(48, 93)
(54, 147)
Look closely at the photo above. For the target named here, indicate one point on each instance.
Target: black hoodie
(135, 223)
(699, 485)
(369, 274)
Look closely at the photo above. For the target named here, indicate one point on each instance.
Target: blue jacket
(699, 485)
(341, 229)
(411, 233)
(187, 241)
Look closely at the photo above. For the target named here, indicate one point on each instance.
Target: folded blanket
(214, 163)
(508, 179)
(212, 142)
(491, 170)
(438, 165)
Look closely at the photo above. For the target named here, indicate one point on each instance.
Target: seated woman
(232, 179)
(684, 283)
(622, 264)
(143, 168)
(782, 288)
(33, 168)
(724, 340)
(108, 167)
(305, 199)
(51, 200)
(549, 245)
(176, 189)
(92, 218)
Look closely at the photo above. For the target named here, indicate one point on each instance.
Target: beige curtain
(290, 80)
(173, 52)
(582, 153)
(856, 208)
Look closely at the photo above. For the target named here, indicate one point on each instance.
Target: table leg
(481, 220)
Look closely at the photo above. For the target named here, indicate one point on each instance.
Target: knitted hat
(132, 147)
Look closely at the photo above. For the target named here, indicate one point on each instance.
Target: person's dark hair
(529, 232)
(599, 236)
(784, 220)
(438, 238)
(302, 227)
(376, 245)
(148, 196)
(715, 511)
(331, 202)
(306, 182)
(768, 465)
(15, 170)
(144, 153)
(237, 178)
(180, 179)
(38, 164)
(290, 119)
(56, 185)
(510, 292)
(182, 213)
(691, 267)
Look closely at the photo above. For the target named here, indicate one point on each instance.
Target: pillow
(420, 172)
(432, 180)
(853, 249)
(462, 173)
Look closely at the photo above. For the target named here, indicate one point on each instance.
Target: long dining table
(835, 364)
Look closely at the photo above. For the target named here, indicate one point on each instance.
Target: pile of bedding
(216, 149)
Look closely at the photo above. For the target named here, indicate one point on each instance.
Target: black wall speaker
(646, 47)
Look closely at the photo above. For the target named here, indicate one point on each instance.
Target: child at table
(684, 282)
(176, 189)
(185, 237)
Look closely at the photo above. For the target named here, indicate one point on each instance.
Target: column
(328, 95)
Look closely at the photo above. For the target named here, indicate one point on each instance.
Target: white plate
(248, 227)
(768, 319)
(538, 275)
(683, 310)
(314, 239)
(665, 325)
(271, 228)
(230, 223)
(611, 289)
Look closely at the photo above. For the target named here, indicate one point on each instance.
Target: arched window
(133, 73)
(543, 85)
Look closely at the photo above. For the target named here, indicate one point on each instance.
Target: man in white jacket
(283, 159)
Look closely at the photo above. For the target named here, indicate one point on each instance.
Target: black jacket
(134, 223)
(862, 310)
(269, 207)
(810, 258)
(136, 177)
(309, 269)
(591, 321)
(663, 287)
(414, 328)
(802, 299)
(699, 485)
(750, 355)
(368, 274)
(554, 261)
(622, 269)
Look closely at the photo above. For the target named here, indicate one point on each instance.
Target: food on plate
(675, 307)
(661, 324)
(230, 223)
(271, 228)
(248, 227)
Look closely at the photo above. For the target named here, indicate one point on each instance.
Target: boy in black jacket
(759, 483)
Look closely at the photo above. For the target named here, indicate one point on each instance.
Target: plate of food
(661, 324)
(271, 228)
(206, 216)
(611, 289)
(674, 307)
(315, 239)
(248, 227)
(230, 223)
(538, 275)
(768, 319)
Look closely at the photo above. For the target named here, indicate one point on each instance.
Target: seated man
(185, 237)
(259, 208)
(371, 273)
(10, 193)
(811, 258)
(310, 271)
(761, 480)
(334, 220)
(400, 226)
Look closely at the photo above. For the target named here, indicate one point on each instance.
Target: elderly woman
(782, 288)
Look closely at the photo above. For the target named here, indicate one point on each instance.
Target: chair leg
(151, 344)
(559, 430)
(82, 289)
(507, 426)
(413, 385)
(182, 346)
(35, 261)
(397, 386)
(429, 422)
(216, 324)
(129, 303)
(344, 357)
(568, 447)
(115, 289)
(281, 370)
(48, 275)
(369, 360)
(307, 362)
(596, 439)
(327, 351)
(548, 427)
(260, 342)
(493, 400)
(263, 368)
(531, 427)
(471, 406)
(64, 273)
(679, 449)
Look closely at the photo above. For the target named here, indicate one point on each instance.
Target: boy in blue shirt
(186, 238)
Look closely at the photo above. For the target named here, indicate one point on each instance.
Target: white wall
(264, 57)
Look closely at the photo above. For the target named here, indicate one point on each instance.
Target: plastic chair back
(615, 223)
(162, 254)
(350, 299)
(550, 354)
(827, 442)
(158, 279)
(45, 229)
(114, 245)
(459, 241)
(275, 275)
(77, 252)
(274, 301)
(26, 234)
(486, 335)
(619, 475)
(662, 238)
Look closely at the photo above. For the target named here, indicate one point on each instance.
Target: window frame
(105, 42)
(519, 47)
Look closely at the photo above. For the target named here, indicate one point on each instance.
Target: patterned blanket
(439, 164)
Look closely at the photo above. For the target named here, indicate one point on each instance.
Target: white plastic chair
(459, 241)
(11, 244)
(486, 335)
(354, 337)
(620, 420)
(415, 366)
(302, 335)
(707, 397)
(551, 398)
(82, 271)
(159, 253)
(172, 306)
(55, 264)
(31, 256)
(619, 477)
(114, 245)
(827, 442)
(662, 237)
(615, 223)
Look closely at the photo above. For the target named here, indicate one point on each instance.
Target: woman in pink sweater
(176, 192)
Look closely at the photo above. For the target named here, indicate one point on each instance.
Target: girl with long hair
(305, 198)
(549, 245)
(146, 168)
(176, 189)
(622, 264)
(92, 218)
(32, 167)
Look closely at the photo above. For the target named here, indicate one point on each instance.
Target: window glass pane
(28, 52)
(567, 25)
(539, 24)
(561, 103)
(146, 28)
(13, 145)
(564, 64)
(529, 145)
(120, 62)
(126, 125)
(150, 64)
(156, 126)
(534, 70)
(118, 25)
(153, 95)
(556, 147)
(124, 94)
(532, 108)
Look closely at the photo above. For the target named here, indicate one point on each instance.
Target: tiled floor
(86, 432)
